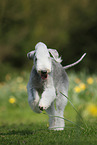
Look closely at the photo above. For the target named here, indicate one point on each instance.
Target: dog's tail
(73, 64)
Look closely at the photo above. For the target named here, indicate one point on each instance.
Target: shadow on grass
(22, 129)
(40, 135)
(32, 129)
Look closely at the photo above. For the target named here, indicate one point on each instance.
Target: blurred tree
(70, 26)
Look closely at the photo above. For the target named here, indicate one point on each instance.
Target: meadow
(20, 125)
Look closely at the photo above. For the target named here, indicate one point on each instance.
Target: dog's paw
(56, 128)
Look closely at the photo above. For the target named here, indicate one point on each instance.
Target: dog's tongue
(44, 76)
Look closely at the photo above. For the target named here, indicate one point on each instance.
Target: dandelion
(22, 87)
(2, 84)
(47, 125)
(82, 86)
(77, 89)
(92, 109)
(77, 80)
(90, 80)
(19, 79)
(8, 77)
(25, 88)
(12, 100)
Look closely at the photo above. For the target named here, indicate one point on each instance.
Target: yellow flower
(25, 88)
(19, 79)
(82, 86)
(92, 109)
(90, 80)
(77, 80)
(8, 77)
(47, 125)
(12, 100)
(77, 89)
(2, 84)
(22, 87)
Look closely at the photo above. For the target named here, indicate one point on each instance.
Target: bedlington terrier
(48, 78)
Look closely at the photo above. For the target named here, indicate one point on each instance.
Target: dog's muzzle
(44, 74)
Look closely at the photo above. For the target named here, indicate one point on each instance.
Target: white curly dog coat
(48, 78)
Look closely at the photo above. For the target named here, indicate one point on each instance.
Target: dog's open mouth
(44, 75)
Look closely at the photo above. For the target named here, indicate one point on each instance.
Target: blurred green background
(70, 26)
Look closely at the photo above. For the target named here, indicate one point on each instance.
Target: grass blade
(65, 120)
(74, 109)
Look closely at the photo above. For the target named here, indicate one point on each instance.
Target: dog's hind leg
(51, 113)
(61, 102)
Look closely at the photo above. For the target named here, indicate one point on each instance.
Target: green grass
(20, 125)
(37, 134)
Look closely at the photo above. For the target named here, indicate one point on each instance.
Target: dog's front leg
(33, 99)
(47, 98)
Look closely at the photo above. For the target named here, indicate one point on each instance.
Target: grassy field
(37, 134)
(20, 125)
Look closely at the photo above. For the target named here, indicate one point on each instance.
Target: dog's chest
(38, 83)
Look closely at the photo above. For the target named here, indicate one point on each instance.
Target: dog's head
(42, 59)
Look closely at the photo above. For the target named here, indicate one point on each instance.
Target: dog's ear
(55, 55)
(30, 55)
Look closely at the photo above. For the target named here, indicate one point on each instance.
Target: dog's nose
(41, 108)
(44, 72)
